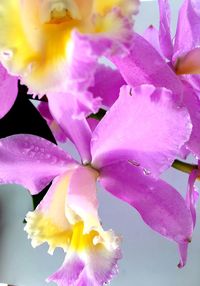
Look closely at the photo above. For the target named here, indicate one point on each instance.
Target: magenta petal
(92, 123)
(164, 31)
(144, 126)
(69, 273)
(136, 68)
(159, 204)
(31, 161)
(192, 194)
(8, 91)
(107, 85)
(57, 131)
(151, 34)
(68, 112)
(95, 267)
(188, 28)
(192, 102)
(183, 251)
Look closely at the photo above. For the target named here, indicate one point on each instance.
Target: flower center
(55, 11)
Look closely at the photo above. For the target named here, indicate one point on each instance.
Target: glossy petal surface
(192, 103)
(58, 133)
(82, 197)
(165, 31)
(31, 161)
(107, 85)
(136, 68)
(159, 204)
(151, 34)
(68, 112)
(147, 127)
(94, 265)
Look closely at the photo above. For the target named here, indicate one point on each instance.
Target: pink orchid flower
(138, 138)
(153, 59)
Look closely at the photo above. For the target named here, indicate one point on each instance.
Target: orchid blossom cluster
(129, 123)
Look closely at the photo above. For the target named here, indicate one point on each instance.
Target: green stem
(184, 167)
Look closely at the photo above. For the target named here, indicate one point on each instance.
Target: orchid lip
(56, 12)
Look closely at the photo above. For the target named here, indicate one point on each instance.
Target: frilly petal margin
(95, 265)
(107, 85)
(160, 205)
(31, 161)
(8, 91)
(147, 128)
(67, 217)
(48, 223)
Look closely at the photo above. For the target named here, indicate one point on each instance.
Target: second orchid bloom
(127, 164)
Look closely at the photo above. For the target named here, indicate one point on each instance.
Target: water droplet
(53, 160)
(146, 172)
(47, 156)
(134, 163)
(31, 154)
(36, 148)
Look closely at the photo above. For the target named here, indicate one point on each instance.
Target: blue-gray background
(148, 259)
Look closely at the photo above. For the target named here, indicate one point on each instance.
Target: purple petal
(192, 194)
(188, 28)
(58, 133)
(31, 161)
(8, 91)
(164, 31)
(67, 111)
(183, 251)
(107, 85)
(191, 201)
(92, 123)
(151, 34)
(136, 68)
(194, 81)
(192, 103)
(144, 126)
(69, 273)
(159, 204)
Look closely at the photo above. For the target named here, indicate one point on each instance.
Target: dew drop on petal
(146, 172)
(134, 163)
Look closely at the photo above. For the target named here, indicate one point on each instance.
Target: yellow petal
(35, 36)
(48, 222)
